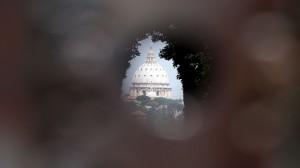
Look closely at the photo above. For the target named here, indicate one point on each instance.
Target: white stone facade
(150, 79)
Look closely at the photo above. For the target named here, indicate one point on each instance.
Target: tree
(193, 63)
(132, 106)
(179, 101)
(143, 99)
(162, 101)
(152, 103)
(175, 106)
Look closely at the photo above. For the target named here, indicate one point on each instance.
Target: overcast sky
(175, 84)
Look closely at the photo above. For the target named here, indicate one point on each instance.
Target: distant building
(151, 80)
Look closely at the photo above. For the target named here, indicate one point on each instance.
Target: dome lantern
(151, 56)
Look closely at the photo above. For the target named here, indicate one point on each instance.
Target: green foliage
(135, 107)
(161, 104)
(194, 67)
(143, 99)
(162, 101)
(161, 112)
(152, 103)
(175, 106)
(179, 101)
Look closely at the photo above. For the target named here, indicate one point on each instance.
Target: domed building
(150, 79)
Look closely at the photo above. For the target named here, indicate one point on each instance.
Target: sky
(175, 84)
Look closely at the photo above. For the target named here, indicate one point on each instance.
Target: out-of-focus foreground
(62, 64)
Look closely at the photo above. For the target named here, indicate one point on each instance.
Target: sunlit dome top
(150, 72)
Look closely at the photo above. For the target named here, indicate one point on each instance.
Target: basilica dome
(150, 79)
(150, 73)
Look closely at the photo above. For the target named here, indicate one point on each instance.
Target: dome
(150, 73)
(150, 79)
